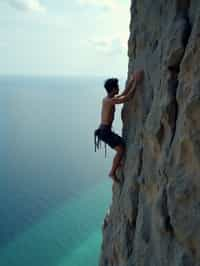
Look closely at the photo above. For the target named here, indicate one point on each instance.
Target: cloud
(109, 46)
(105, 4)
(27, 5)
(115, 20)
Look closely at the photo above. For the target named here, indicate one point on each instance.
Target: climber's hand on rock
(138, 75)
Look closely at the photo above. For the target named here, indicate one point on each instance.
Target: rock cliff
(154, 217)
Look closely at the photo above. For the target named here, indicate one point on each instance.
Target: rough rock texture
(154, 217)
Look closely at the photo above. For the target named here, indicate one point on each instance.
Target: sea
(54, 188)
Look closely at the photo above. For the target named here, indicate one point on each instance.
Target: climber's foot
(114, 177)
(121, 164)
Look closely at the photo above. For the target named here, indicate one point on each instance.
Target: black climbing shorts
(105, 134)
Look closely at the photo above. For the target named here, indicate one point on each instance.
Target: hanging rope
(97, 142)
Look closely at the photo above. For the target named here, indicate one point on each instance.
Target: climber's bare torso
(107, 112)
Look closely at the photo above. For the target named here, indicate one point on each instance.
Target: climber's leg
(116, 161)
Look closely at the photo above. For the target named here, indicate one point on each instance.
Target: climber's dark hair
(111, 84)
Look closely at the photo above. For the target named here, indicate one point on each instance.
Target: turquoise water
(54, 190)
(68, 235)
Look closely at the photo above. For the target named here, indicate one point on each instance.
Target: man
(104, 132)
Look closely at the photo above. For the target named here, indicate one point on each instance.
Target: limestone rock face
(154, 217)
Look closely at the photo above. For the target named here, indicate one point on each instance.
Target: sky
(78, 37)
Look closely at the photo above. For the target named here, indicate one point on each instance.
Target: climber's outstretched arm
(128, 87)
(138, 75)
(124, 98)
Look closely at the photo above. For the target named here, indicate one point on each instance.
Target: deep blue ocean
(54, 189)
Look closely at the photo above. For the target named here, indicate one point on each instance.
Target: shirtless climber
(104, 132)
